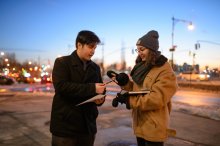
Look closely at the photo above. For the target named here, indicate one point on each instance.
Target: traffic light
(197, 46)
(173, 48)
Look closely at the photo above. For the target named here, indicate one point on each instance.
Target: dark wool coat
(73, 84)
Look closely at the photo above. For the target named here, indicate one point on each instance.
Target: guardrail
(208, 86)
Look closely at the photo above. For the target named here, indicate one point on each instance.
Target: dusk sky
(43, 29)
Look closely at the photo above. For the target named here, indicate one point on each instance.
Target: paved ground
(24, 121)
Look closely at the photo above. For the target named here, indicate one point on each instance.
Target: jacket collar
(75, 60)
(161, 61)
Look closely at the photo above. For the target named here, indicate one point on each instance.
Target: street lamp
(173, 47)
(2, 53)
(102, 63)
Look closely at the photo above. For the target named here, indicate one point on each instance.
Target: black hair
(87, 37)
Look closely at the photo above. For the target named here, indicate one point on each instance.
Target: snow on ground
(203, 111)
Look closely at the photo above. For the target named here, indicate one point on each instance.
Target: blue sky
(43, 29)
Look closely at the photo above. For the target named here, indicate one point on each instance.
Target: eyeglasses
(141, 49)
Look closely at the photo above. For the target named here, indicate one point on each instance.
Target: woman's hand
(100, 101)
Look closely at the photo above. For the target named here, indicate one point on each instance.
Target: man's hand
(100, 101)
(100, 88)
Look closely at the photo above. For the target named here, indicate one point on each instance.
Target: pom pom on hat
(149, 40)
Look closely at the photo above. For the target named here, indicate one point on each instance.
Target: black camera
(121, 78)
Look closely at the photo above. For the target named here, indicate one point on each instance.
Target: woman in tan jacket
(150, 112)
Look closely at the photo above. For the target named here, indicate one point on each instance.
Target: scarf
(141, 69)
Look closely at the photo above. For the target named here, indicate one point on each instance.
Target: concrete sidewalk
(191, 130)
(24, 121)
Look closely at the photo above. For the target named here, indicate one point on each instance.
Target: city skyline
(47, 28)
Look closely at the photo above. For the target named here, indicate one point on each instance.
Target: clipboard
(136, 92)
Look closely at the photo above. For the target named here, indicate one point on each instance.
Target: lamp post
(2, 60)
(102, 63)
(173, 47)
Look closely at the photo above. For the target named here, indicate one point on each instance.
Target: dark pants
(73, 141)
(143, 142)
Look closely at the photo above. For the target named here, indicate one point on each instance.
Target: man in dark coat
(76, 78)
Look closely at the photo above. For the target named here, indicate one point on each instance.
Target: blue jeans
(73, 141)
(143, 142)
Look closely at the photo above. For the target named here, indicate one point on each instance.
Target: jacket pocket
(146, 119)
(72, 115)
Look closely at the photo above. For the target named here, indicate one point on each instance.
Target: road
(191, 97)
(25, 119)
(205, 104)
(186, 96)
(197, 98)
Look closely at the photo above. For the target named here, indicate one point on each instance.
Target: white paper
(99, 96)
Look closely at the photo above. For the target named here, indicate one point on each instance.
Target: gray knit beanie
(149, 40)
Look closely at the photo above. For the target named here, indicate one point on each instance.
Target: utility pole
(102, 62)
(123, 63)
(39, 63)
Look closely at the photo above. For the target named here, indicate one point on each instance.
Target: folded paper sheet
(99, 96)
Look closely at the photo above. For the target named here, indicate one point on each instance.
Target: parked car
(4, 80)
(22, 79)
(194, 76)
(46, 79)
